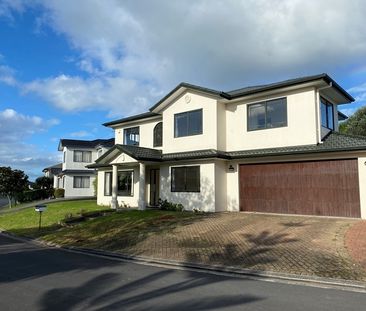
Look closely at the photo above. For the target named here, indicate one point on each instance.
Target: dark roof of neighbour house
(334, 142)
(342, 116)
(53, 167)
(229, 95)
(86, 143)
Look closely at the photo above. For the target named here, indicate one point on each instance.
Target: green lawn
(25, 222)
(114, 231)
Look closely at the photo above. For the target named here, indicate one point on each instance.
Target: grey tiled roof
(140, 153)
(86, 143)
(334, 142)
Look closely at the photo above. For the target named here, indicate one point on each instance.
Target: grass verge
(114, 231)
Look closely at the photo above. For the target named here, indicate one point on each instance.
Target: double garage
(326, 188)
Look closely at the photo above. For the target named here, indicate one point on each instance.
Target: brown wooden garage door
(328, 188)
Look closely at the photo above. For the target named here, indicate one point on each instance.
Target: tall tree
(12, 182)
(355, 124)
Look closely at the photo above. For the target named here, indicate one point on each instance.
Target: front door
(154, 187)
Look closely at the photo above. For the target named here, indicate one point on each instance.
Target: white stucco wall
(220, 186)
(131, 201)
(187, 102)
(69, 163)
(146, 132)
(362, 182)
(203, 200)
(70, 191)
(300, 129)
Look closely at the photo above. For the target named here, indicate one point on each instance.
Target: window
(185, 179)
(188, 123)
(158, 135)
(327, 114)
(268, 114)
(100, 152)
(64, 158)
(125, 183)
(108, 183)
(82, 156)
(132, 136)
(81, 182)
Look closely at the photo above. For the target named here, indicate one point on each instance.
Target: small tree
(355, 124)
(12, 182)
(43, 183)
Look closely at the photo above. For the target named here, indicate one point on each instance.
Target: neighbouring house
(269, 148)
(53, 171)
(75, 178)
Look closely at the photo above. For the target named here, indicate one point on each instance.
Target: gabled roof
(85, 143)
(230, 95)
(334, 142)
(55, 167)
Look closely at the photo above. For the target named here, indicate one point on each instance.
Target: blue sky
(66, 67)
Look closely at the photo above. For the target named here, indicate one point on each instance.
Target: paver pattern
(288, 244)
(356, 242)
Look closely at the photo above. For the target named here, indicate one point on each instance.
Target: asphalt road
(36, 278)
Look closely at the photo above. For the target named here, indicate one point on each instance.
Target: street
(37, 278)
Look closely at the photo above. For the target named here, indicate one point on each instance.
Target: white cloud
(7, 75)
(133, 52)
(9, 7)
(80, 134)
(15, 130)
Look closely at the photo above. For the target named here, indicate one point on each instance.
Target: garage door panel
(313, 188)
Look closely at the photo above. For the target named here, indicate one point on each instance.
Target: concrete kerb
(312, 281)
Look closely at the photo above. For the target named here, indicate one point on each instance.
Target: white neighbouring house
(75, 178)
(269, 148)
(52, 172)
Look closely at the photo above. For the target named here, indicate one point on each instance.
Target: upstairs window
(268, 114)
(158, 135)
(327, 114)
(132, 136)
(100, 152)
(185, 179)
(82, 156)
(188, 123)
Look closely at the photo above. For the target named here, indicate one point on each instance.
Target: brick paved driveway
(289, 244)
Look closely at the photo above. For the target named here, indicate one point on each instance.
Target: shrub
(32, 195)
(165, 205)
(59, 193)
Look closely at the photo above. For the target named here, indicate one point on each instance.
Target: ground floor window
(125, 183)
(108, 183)
(81, 182)
(185, 179)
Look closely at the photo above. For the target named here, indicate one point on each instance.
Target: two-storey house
(75, 178)
(269, 148)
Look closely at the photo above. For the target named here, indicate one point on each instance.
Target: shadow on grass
(117, 232)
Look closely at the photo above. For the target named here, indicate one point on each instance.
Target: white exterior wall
(70, 191)
(300, 129)
(362, 182)
(69, 163)
(130, 201)
(220, 186)
(203, 200)
(187, 102)
(146, 132)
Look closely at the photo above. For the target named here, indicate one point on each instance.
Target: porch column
(142, 202)
(114, 202)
